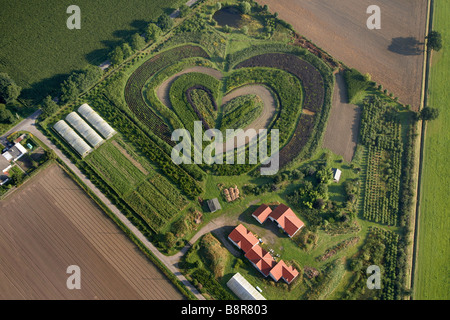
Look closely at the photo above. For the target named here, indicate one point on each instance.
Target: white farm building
(72, 138)
(97, 122)
(85, 130)
(243, 289)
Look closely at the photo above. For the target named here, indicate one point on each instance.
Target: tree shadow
(49, 86)
(139, 24)
(408, 46)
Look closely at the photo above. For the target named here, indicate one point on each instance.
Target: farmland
(392, 55)
(360, 217)
(39, 51)
(57, 225)
(431, 278)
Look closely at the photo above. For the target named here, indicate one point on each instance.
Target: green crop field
(38, 50)
(432, 273)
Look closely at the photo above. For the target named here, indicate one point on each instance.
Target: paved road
(171, 263)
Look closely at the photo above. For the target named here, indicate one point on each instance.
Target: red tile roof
(243, 238)
(262, 212)
(281, 270)
(261, 259)
(287, 219)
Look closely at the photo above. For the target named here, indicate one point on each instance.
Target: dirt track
(341, 135)
(49, 224)
(391, 55)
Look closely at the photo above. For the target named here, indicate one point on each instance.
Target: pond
(230, 16)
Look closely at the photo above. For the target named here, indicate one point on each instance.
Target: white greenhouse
(97, 122)
(85, 130)
(72, 138)
(243, 289)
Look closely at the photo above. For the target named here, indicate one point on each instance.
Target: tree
(245, 7)
(69, 90)
(6, 115)
(9, 90)
(17, 178)
(245, 30)
(165, 22)
(116, 56)
(153, 32)
(170, 239)
(218, 6)
(127, 51)
(48, 106)
(137, 42)
(184, 10)
(434, 41)
(428, 113)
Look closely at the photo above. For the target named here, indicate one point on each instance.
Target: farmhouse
(242, 238)
(261, 259)
(262, 213)
(336, 175)
(15, 152)
(213, 205)
(281, 270)
(243, 289)
(286, 219)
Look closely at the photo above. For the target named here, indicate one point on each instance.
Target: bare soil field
(49, 224)
(342, 131)
(392, 55)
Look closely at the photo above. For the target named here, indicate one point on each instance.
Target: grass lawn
(38, 50)
(432, 272)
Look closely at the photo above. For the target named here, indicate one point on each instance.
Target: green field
(432, 272)
(38, 50)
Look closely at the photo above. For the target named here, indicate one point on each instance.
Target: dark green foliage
(48, 106)
(184, 10)
(356, 84)
(6, 115)
(137, 42)
(428, 114)
(434, 41)
(206, 279)
(9, 90)
(116, 56)
(79, 81)
(153, 32)
(126, 50)
(245, 7)
(165, 22)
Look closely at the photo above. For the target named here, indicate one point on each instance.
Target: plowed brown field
(392, 55)
(49, 224)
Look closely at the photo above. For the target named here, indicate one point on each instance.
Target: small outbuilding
(213, 205)
(336, 175)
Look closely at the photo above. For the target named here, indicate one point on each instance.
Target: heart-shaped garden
(274, 90)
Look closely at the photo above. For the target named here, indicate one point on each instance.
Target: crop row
(136, 82)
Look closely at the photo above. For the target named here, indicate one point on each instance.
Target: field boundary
(421, 147)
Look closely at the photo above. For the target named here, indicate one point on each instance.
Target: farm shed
(243, 289)
(72, 138)
(262, 213)
(286, 219)
(97, 122)
(85, 130)
(214, 205)
(336, 175)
